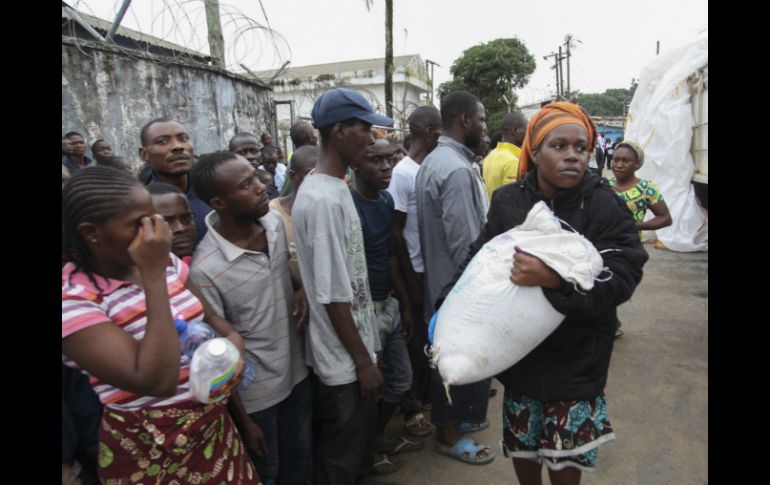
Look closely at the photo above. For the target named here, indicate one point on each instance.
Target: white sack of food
(487, 323)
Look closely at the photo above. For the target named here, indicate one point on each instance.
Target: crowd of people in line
(323, 268)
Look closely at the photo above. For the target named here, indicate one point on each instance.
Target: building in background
(297, 88)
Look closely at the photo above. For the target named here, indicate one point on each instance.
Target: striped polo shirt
(123, 303)
(253, 291)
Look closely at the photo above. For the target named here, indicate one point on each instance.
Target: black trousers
(346, 426)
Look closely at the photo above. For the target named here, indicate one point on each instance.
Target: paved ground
(657, 391)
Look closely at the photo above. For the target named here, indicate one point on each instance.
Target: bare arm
(405, 263)
(253, 437)
(402, 296)
(662, 218)
(149, 367)
(222, 326)
(369, 377)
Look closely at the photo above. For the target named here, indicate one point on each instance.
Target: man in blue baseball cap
(341, 338)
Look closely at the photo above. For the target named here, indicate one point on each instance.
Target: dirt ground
(657, 392)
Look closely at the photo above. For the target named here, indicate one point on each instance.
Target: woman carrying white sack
(554, 406)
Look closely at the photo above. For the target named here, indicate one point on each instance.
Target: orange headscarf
(545, 120)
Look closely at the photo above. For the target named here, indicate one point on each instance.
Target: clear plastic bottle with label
(214, 364)
(193, 334)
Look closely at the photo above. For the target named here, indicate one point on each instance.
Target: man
(270, 164)
(101, 150)
(302, 134)
(168, 151)
(424, 131)
(241, 267)
(302, 162)
(451, 208)
(501, 166)
(247, 146)
(341, 337)
(175, 209)
(77, 159)
(394, 318)
(600, 158)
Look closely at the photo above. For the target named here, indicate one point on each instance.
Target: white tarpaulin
(660, 119)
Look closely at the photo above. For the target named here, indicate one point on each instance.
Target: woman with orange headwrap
(554, 408)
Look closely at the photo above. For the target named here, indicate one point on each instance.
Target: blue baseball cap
(340, 104)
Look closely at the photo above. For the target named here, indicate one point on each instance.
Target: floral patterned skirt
(189, 443)
(557, 433)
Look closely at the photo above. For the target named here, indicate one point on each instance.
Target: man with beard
(451, 208)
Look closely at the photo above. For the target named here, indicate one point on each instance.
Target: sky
(615, 39)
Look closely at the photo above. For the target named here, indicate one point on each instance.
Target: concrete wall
(111, 93)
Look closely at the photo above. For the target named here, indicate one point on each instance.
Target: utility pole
(569, 45)
(555, 66)
(216, 40)
(561, 69)
(429, 71)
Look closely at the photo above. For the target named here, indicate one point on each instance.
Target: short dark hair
(159, 188)
(203, 174)
(93, 145)
(242, 134)
(297, 131)
(74, 133)
(143, 132)
(455, 104)
(269, 151)
(304, 156)
(423, 117)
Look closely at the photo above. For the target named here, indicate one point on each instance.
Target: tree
(490, 71)
(612, 102)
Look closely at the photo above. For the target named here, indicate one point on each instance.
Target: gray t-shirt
(332, 262)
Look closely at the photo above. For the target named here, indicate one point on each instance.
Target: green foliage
(490, 71)
(610, 103)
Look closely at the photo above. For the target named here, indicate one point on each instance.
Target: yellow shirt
(501, 166)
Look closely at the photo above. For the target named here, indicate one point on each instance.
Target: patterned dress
(640, 197)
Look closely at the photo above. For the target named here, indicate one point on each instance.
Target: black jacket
(572, 363)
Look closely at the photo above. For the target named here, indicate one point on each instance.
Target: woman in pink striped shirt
(121, 291)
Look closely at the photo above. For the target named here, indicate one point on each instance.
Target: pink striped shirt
(121, 302)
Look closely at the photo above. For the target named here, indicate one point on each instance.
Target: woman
(638, 194)
(121, 291)
(554, 406)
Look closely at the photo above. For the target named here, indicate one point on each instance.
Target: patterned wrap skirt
(188, 443)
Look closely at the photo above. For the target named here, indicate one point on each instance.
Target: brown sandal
(418, 426)
(385, 466)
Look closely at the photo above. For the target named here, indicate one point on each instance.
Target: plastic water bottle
(214, 364)
(192, 335)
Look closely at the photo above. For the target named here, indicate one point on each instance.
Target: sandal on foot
(473, 427)
(467, 451)
(385, 466)
(401, 445)
(418, 426)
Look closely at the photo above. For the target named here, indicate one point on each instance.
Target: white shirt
(401, 188)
